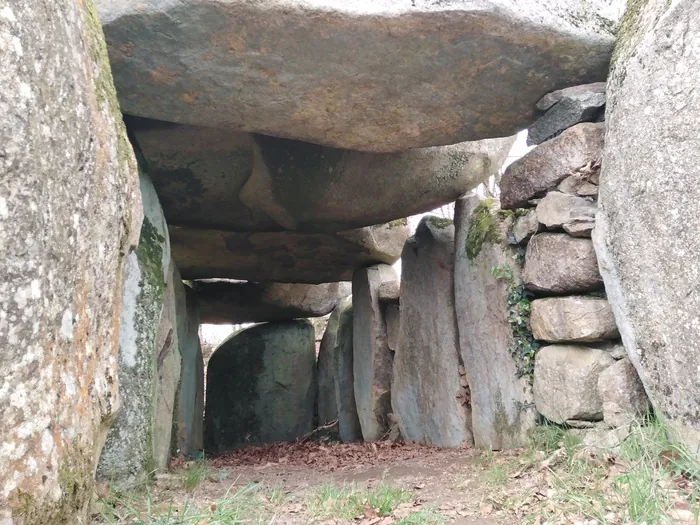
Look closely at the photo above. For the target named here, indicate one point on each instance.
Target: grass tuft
(349, 501)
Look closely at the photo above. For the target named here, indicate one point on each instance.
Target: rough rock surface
(574, 214)
(168, 372)
(69, 212)
(575, 319)
(326, 405)
(392, 313)
(575, 185)
(128, 455)
(213, 178)
(499, 398)
(570, 93)
(425, 386)
(231, 302)
(290, 257)
(525, 227)
(261, 386)
(543, 168)
(348, 421)
(368, 76)
(188, 419)
(373, 359)
(572, 106)
(559, 263)
(566, 382)
(646, 232)
(622, 393)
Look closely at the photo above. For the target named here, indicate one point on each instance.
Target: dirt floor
(386, 483)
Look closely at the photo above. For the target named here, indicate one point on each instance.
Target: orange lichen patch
(162, 75)
(190, 97)
(233, 42)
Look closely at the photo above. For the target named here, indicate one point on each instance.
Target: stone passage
(261, 386)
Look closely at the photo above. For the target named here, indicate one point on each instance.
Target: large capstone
(425, 388)
(128, 457)
(69, 213)
(372, 359)
(367, 75)
(231, 302)
(243, 182)
(501, 396)
(647, 226)
(290, 257)
(261, 386)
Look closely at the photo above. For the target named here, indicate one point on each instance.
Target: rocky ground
(552, 481)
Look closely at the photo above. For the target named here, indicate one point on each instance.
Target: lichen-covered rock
(348, 421)
(647, 226)
(575, 215)
(361, 75)
(425, 388)
(288, 257)
(327, 408)
(128, 455)
(622, 393)
(69, 213)
(573, 319)
(235, 302)
(168, 371)
(566, 108)
(372, 359)
(543, 168)
(261, 386)
(501, 395)
(559, 263)
(566, 382)
(188, 418)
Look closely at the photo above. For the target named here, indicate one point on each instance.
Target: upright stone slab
(327, 407)
(501, 396)
(168, 371)
(425, 388)
(127, 458)
(647, 226)
(372, 360)
(261, 386)
(348, 421)
(188, 420)
(69, 213)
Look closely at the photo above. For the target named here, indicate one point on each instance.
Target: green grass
(350, 501)
(195, 474)
(245, 506)
(497, 475)
(427, 516)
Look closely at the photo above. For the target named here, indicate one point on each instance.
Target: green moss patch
(483, 227)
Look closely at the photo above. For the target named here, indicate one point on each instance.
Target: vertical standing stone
(69, 213)
(326, 402)
(348, 421)
(127, 458)
(168, 370)
(425, 391)
(261, 386)
(188, 420)
(501, 396)
(372, 356)
(646, 233)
